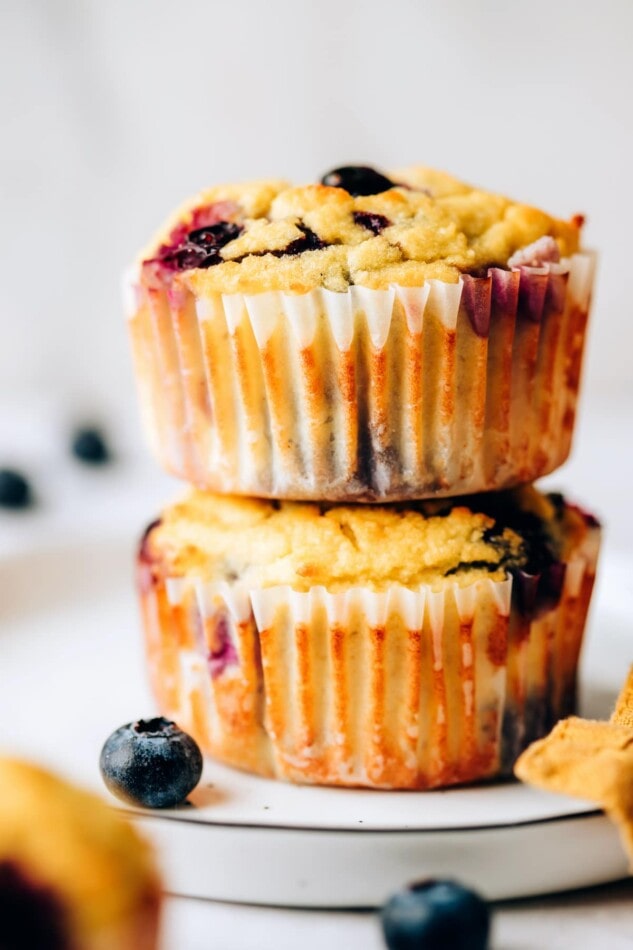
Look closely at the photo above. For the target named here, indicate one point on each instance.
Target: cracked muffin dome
(369, 338)
(411, 646)
(74, 875)
(358, 228)
(262, 544)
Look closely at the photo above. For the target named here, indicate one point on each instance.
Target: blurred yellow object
(591, 760)
(74, 875)
(623, 712)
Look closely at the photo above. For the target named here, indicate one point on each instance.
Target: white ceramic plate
(71, 671)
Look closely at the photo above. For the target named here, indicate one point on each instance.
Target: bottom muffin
(403, 646)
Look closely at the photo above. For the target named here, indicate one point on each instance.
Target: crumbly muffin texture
(422, 224)
(262, 544)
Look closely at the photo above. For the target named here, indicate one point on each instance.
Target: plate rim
(591, 812)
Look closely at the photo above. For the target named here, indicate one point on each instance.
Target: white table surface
(76, 500)
(600, 918)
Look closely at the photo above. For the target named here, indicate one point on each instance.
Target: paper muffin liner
(369, 394)
(406, 688)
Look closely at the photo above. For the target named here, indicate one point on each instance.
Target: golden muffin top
(70, 849)
(263, 543)
(357, 226)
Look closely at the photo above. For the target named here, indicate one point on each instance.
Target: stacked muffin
(385, 365)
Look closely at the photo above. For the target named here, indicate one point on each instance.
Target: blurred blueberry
(89, 445)
(436, 915)
(15, 491)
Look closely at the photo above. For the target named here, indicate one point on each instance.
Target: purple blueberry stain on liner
(524, 591)
(532, 291)
(505, 290)
(532, 297)
(556, 293)
(590, 520)
(477, 301)
(145, 572)
(542, 251)
(521, 726)
(143, 545)
(536, 594)
(224, 653)
(550, 588)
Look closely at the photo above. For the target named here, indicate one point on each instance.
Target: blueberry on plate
(151, 763)
(436, 915)
(358, 180)
(89, 445)
(15, 491)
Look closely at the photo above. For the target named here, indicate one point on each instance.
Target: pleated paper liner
(366, 395)
(398, 689)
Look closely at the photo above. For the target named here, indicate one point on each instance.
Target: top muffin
(358, 227)
(369, 338)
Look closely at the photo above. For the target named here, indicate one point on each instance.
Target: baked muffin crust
(262, 544)
(294, 239)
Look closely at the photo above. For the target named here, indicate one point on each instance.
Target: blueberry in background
(151, 763)
(436, 915)
(89, 445)
(15, 490)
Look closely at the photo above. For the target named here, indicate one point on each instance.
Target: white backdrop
(114, 111)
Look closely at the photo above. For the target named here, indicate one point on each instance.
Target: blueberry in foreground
(436, 915)
(89, 445)
(15, 491)
(151, 763)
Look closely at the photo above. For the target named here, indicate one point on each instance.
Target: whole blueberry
(15, 491)
(89, 445)
(358, 180)
(436, 915)
(151, 763)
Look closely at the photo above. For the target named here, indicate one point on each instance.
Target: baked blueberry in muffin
(358, 227)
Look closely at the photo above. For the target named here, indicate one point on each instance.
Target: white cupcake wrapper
(369, 394)
(401, 688)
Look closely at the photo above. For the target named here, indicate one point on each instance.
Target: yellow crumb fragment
(623, 712)
(591, 760)
(579, 757)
